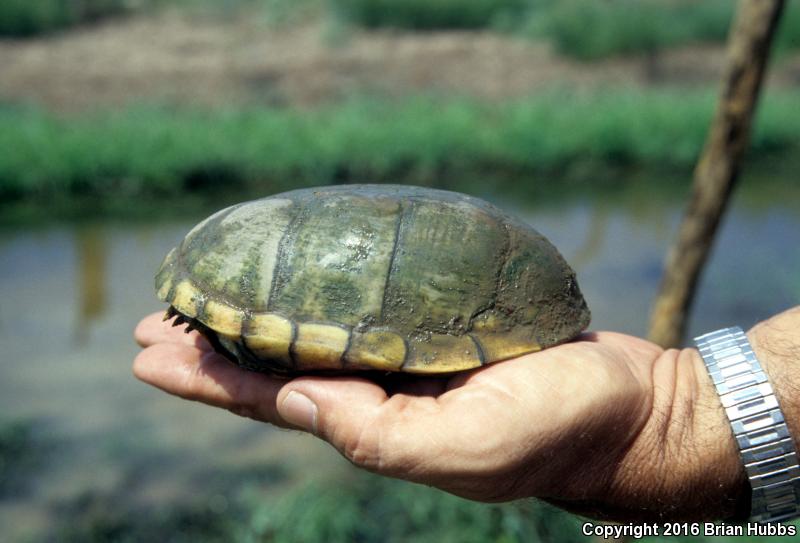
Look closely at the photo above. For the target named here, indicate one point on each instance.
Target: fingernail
(297, 409)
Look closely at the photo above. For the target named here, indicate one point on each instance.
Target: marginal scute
(186, 298)
(378, 349)
(224, 319)
(319, 346)
(269, 337)
(506, 345)
(165, 275)
(442, 354)
(163, 286)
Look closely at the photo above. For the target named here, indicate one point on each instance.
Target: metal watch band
(765, 446)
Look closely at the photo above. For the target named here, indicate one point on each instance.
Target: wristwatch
(765, 446)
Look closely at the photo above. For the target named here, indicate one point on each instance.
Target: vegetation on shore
(354, 507)
(150, 150)
(24, 18)
(23, 452)
(584, 29)
(591, 30)
(426, 15)
(358, 507)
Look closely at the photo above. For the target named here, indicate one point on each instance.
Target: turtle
(392, 278)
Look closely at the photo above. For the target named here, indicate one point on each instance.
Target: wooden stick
(717, 170)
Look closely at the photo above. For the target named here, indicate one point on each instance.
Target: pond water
(70, 295)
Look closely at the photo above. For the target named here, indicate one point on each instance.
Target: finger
(402, 435)
(300, 401)
(154, 329)
(194, 374)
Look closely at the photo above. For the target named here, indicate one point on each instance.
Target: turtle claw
(180, 319)
(171, 312)
(189, 328)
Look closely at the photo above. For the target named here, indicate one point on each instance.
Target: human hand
(608, 425)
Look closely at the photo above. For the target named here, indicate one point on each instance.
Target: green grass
(370, 509)
(357, 507)
(427, 14)
(32, 18)
(22, 18)
(25, 18)
(162, 151)
(23, 455)
(590, 30)
(584, 29)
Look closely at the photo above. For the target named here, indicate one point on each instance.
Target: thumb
(326, 407)
(357, 417)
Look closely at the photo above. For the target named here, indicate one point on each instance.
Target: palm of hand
(552, 424)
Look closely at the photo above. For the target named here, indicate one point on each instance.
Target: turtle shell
(380, 277)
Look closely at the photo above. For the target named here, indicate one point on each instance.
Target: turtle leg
(191, 324)
(210, 335)
(242, 358)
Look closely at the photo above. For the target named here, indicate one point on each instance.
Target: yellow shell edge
(443, 354)
(269, 336)
(165, 275)
(185, 298)
(323, 346)
(319, 346)
(164, 288)
(224, 319)
(499, 346)
(379, 349)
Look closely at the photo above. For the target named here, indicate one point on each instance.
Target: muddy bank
(174, 56)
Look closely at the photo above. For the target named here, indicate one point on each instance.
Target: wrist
(776, 345)
(764, 465)
(685, 465)
(713, 429)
